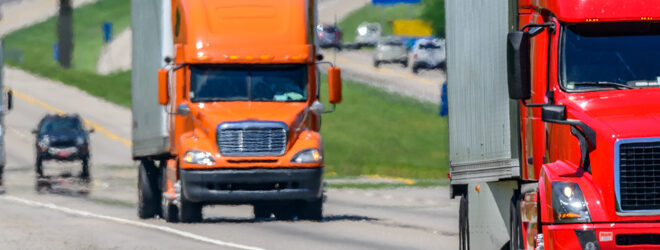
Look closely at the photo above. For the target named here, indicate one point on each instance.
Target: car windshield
(429, 46)
(60, 125)
(622, 55)
(267, 83)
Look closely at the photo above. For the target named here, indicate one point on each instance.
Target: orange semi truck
(226, 107)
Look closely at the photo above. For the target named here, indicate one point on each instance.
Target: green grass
(418, 183)
(35, 43)
(371, 13)
(372, 132)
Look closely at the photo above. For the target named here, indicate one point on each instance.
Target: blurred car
(368, 34)
(62, 138)
(428, 54)
(390, 50)
(329, 36)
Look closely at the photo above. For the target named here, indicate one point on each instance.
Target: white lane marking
(170, 230)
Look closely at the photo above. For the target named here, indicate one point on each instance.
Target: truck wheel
(415, 69)
(404, 63)
(84, 174)
(312, 210)
(39, 167)
(463, 225)
(149, 194)
(262, 211)
(285, 211)
(376, 63)
(189, 212)
(515, 227)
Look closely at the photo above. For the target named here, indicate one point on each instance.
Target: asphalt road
(102, 214)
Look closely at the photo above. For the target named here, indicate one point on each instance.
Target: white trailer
(483, 122)
(152, 44)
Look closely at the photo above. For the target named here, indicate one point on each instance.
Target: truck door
(533, 130)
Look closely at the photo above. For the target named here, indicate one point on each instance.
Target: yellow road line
(396, 179)
(53, 109)
(386, 71)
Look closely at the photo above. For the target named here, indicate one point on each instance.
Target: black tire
(189, 212)
(286, 211)
(463, 225)
(84, 173)
(515, 225)
(169, 211)
(149, 193)
(311, 210)
(262, 211)
(376, 63)
(415, 69)
(404, 63)
(39, 168)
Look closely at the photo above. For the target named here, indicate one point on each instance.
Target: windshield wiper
(604, 84)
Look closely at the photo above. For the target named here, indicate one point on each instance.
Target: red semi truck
(554, 114)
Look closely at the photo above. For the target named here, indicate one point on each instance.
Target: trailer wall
(152, 42)
(483, 122)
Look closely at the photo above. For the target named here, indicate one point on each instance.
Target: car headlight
(80, 140)
(199, 158)
(568, 204)
(44, 142)
(362, 31)
(311, 155)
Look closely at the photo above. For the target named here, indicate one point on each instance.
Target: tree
(433, 11)
(65, 34)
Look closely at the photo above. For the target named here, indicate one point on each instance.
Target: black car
(62, 138)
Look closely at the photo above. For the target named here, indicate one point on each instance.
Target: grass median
(31, 49)
(371, 133)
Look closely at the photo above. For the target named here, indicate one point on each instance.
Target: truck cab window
(597, 56)
(264, 83)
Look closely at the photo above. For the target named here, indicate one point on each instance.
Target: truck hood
(614, 115)
(620, 113)
(212, 114)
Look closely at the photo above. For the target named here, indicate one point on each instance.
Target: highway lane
(355, 219)
(415, 218)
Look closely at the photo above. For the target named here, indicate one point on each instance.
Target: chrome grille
(638, 179)
(252, 138)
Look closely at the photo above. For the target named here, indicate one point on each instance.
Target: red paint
(603, 10)
(614, 115)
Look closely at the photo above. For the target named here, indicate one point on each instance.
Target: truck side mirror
(518, 65)
(553, 113)
(10, 100)
(163, 78)
(334, 85)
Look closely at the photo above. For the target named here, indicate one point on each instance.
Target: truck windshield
(598, 56)
(266, 83)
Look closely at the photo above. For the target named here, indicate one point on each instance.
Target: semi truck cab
(577, 159)
(243, 115)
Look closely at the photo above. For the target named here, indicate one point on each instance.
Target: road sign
(392, 2)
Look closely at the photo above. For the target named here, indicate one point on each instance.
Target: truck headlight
(199, 158)
(311, 155)
(568, 204)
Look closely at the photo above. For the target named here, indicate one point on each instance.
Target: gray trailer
(152, 43)
(483, 122)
